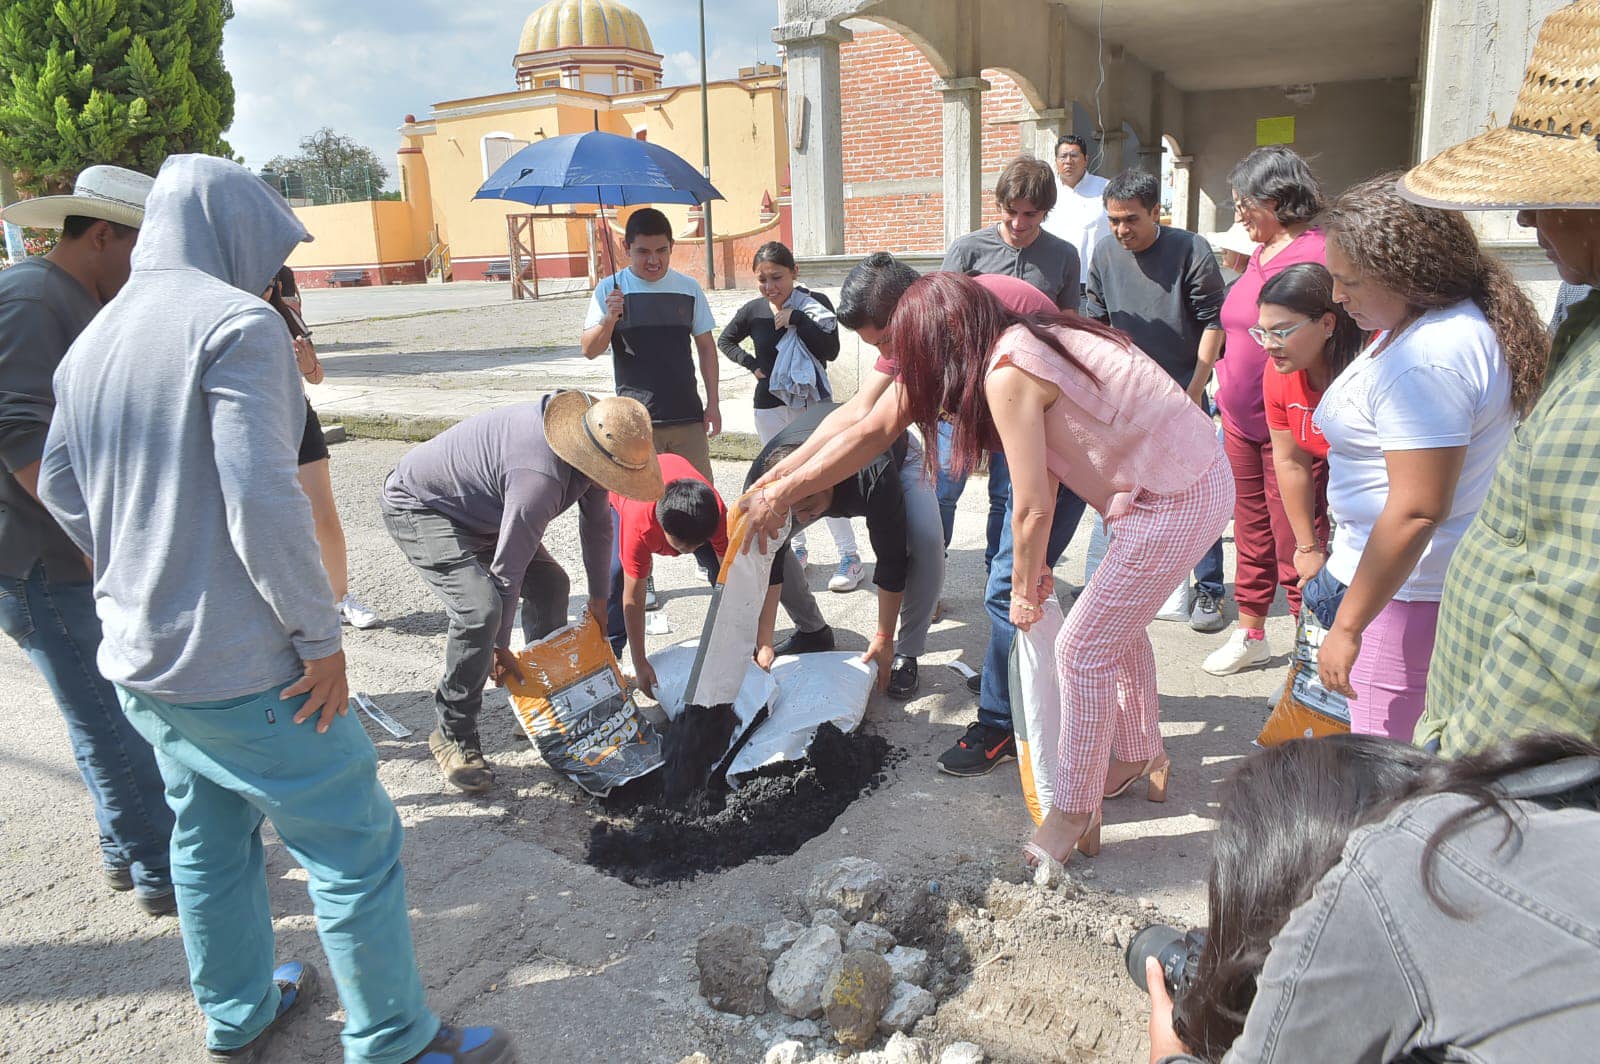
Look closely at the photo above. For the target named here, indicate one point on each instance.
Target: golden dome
(575, 23)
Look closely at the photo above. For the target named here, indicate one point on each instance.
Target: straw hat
(1548, 156)
(107, 192)
(607, 440)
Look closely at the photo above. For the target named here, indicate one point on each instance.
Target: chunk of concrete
(831, 918)
(874, 937)
(854, 997)
(961, 1053)
(901, 1049)
(733, 973)
(908, 1003)
(908, 964)
(779, 936)
(789, 1052)
(798, 975)
(854, 886)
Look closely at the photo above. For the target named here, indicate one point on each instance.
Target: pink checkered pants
(1104, 661)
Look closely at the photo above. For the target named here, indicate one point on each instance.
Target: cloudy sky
(361, 65)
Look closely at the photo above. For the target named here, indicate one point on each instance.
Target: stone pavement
(424, 356)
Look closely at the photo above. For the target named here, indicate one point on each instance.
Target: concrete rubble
(798, 975)
(852, 886)
(908, 1003)
(733, 972)
(855, 995)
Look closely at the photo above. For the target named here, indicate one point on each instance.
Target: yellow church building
(580, 65)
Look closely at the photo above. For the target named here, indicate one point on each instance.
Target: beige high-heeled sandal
(1158, 770)
(1087, 843)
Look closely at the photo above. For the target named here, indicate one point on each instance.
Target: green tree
(330, 167)
(127, 82)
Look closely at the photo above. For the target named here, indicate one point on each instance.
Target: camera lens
(1158, 941)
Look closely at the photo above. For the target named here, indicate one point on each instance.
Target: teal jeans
(227, 767)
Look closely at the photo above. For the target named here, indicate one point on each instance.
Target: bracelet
(1018, 602)
(884, 635)
(1315, 548)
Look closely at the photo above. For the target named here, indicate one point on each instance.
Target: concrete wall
(377, 237)
(1351, 131)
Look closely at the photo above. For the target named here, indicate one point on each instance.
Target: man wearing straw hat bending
(46, 598)
(469, 509)
(1520, 616)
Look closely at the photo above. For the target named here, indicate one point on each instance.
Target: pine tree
(126, 82)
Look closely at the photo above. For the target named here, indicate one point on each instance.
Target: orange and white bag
(1036, 707)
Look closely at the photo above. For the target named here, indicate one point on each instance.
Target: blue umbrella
(599, 168)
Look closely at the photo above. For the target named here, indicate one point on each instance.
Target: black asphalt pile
(776, 811)
(692, 747)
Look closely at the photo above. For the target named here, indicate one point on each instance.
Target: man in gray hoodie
(171, 462)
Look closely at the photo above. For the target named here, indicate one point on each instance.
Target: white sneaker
(849, 574)
(1178, 605)
(357, 614)
(1236, 655)
(651, 602)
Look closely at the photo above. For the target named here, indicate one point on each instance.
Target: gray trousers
(455, 564)
(924, 569)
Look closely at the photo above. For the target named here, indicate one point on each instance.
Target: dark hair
(1070, 138)
(871, 289)
(767, 459)
(775, 252)
(1431, 258)
(74, 226)
(1134, 184)
(688, 510)
(1286, 816)
(1026, 178)
(941, 337)
(1279, 175)
(646, 222)
(1307, 288)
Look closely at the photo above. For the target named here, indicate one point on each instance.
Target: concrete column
(1476, 51)
(1039, 133)
(1148, 157)
(1181, 207)
(1114, 152)
(963, 154)
(816, 135)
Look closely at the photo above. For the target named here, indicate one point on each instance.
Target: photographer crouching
(1370, 902)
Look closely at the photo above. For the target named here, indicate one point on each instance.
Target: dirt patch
(642, 841)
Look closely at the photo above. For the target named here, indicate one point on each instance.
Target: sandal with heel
(1158, 770)
(1087, 843)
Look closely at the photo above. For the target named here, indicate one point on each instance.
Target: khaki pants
(687, 441)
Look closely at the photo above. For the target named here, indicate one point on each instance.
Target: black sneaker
(806, 642)
(468, 1045)
(296, 980)
(979, 751)
(902, 678)
(975, 683)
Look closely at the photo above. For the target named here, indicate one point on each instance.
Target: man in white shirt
(1079, 217)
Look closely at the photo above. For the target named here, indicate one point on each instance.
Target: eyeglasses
(1275, 337)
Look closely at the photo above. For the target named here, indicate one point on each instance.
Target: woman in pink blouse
(1060, 397)
(1275, 197)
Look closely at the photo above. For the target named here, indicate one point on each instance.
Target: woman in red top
(1309, 340)
(1275, 197)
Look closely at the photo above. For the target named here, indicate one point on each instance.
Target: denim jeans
(1208, 575)
(948, 488)
(230, 765)
(616, 626)
(994, 704)
(55, 625)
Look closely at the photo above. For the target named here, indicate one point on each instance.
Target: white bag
(1036, 707)
(729, 636)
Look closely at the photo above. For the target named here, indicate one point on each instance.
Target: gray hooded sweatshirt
(171, 458)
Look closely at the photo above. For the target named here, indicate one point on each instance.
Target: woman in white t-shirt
(1415, 427)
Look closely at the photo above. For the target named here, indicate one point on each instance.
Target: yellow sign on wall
(1275, 130)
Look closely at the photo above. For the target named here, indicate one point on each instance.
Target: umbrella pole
(605, 232)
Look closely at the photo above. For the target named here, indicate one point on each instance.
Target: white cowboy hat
(107, 192)
(1235, 239)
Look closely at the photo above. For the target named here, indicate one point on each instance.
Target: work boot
(806, 642)
(467, 1045)
(296, 980)
(157, 902)
(979, 751)
(975, 683)
(462, 763)
(902, 678)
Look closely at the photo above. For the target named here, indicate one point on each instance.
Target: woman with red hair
(1071, 401)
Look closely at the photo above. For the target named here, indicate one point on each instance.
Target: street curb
(413, 428)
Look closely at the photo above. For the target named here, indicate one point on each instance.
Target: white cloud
(360, 66)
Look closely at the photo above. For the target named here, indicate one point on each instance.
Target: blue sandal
(296, 980)
(468, 1045)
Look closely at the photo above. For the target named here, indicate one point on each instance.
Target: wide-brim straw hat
(1548, 156)
(607, 440)
(106, 192)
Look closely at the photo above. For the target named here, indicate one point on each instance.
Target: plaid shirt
(1518, 645)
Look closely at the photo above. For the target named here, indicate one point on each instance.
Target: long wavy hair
(1431, 258)
(1286, 816)
(941, 336)
(1307, 288)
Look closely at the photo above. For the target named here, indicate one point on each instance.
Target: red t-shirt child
(1017, 295)
(1290, 402)
(642, 535)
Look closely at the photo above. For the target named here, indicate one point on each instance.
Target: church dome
(580, 23)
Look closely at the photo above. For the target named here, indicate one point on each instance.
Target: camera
(1178, 952)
